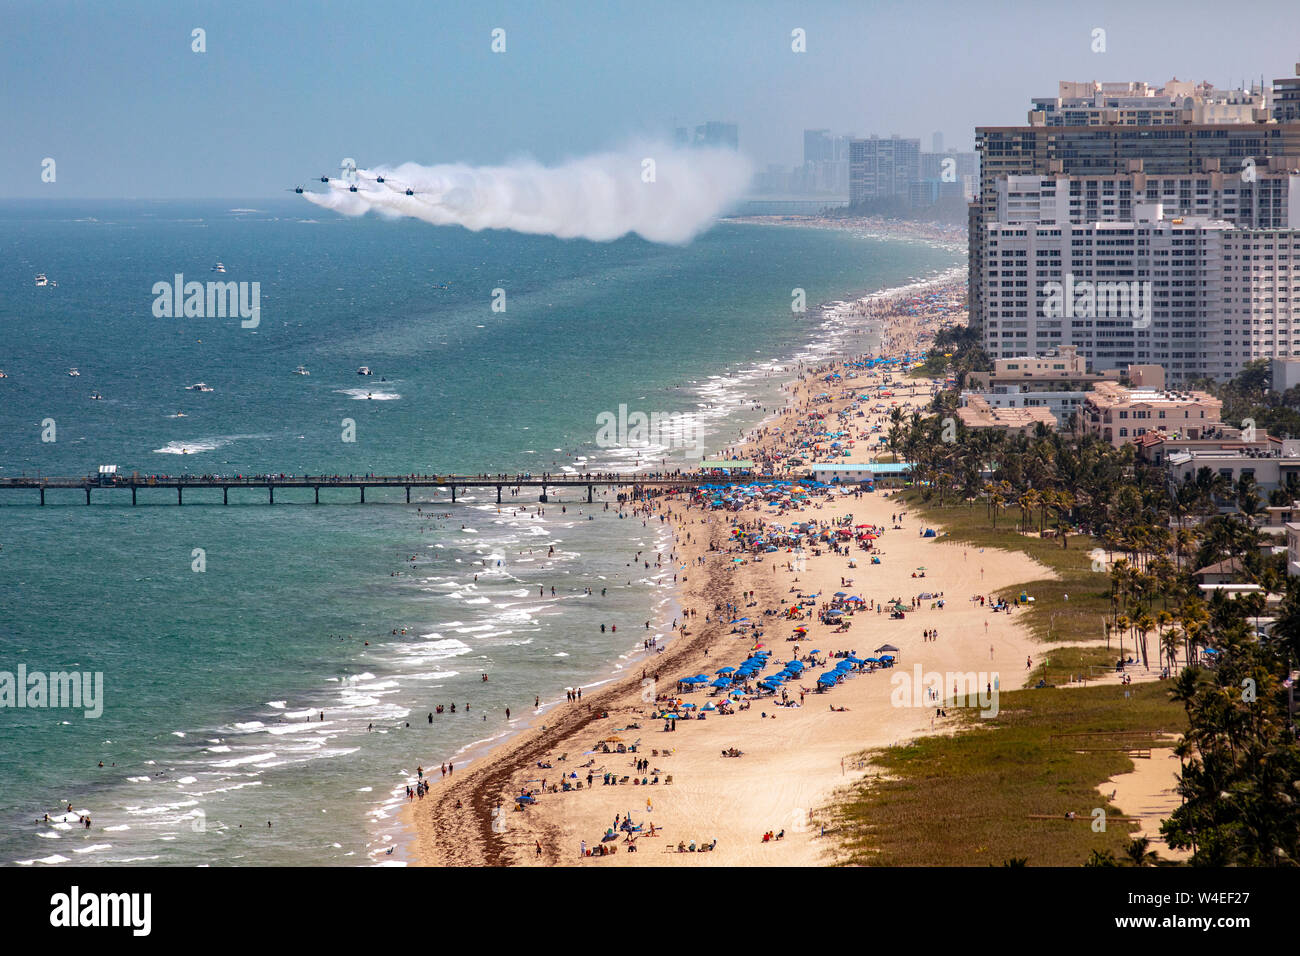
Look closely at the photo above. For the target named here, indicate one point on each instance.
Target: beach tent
(887, 647)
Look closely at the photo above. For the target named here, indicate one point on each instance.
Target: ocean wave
(365, 394)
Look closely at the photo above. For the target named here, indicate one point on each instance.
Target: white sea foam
(364, 394)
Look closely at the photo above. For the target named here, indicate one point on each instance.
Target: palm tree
(1028, 502)
(1145, 624)
(1102, 858)
(1139, 853)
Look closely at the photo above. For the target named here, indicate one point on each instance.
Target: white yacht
(301, 370)
(219, 267)
(199, 387)
(41, 279)
(73, 372)
(365, 370)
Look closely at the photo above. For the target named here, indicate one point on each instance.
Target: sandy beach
(794, 757)
(580, 766)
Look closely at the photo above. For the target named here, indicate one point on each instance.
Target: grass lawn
(1051, 617)
(967, 799)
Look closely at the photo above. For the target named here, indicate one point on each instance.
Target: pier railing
(516, 482)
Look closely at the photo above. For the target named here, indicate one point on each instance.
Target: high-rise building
(882, 168)
(715, 133)
(818, 146)
(1138, 104)
(825, 162)
(1286, 98)
(1214, 155)
(712, 133)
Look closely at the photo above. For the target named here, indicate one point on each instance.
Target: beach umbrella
(724, 670)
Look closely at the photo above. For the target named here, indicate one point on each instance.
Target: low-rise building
(1157, 445)
(1062, 404)
(1119, 414)
(1293, 547)
(1269, 469)
(978, 413)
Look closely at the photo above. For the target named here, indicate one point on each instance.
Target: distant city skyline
(281, 93)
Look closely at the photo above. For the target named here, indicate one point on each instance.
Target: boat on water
(301, 370)
(199, 387)
(41, 279)
(365, 370)
(97, 397)
(3, 373)
(73, 372)
(219, 267)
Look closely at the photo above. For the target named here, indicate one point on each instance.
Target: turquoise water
(210, 675)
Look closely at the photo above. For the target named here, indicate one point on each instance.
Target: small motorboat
(301, 370)
(41, 280)
(365, 370)
(219, 267)
(73, 372)
(199, 387)
(97, 397)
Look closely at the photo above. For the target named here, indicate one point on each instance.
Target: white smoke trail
(600, 197)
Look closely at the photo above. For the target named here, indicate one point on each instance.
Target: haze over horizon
(287, 91)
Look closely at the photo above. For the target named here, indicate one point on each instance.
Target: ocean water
(215, 679)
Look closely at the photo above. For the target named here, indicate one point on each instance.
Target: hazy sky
(114, 94)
